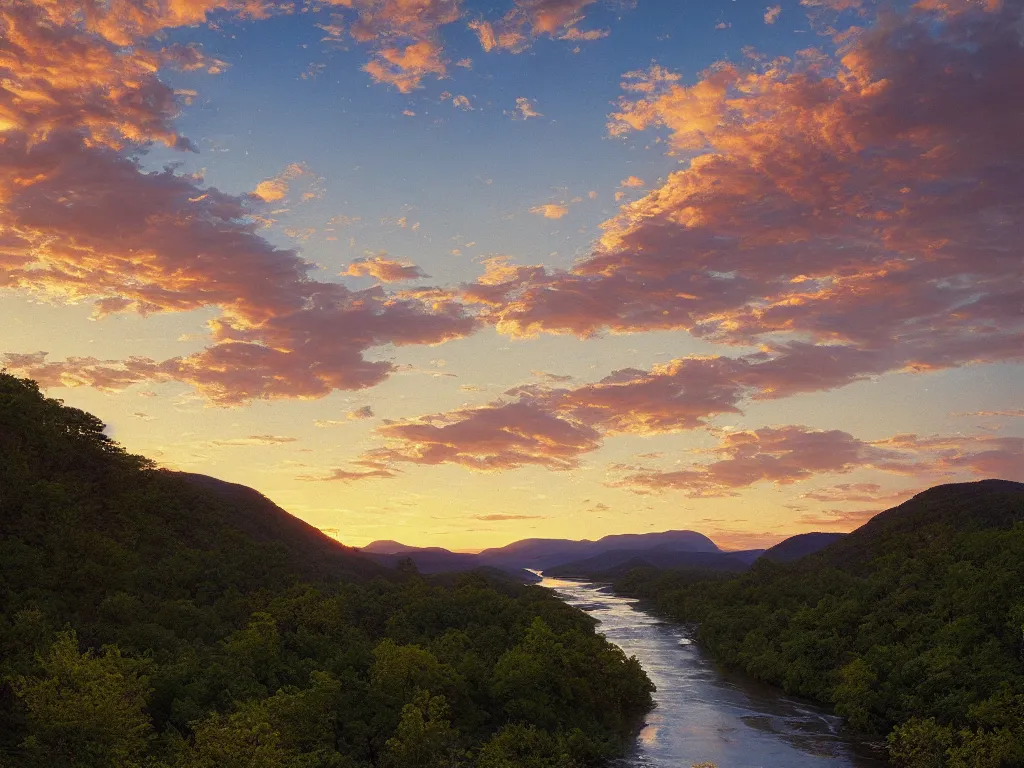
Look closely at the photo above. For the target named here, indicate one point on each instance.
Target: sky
(459, 273)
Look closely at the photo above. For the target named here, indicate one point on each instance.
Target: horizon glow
(461, 273)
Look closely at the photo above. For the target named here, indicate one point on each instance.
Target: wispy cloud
(551, 210)
(525, 109)
(790, 454)
(530, 19)
(254, 440)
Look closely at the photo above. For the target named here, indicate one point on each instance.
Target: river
(703, 714)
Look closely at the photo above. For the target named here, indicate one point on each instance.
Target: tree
(524, 746)
(84, 710)
(424, 737)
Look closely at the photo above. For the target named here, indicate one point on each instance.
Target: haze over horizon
(459, 273)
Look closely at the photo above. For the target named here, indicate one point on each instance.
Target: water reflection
(703, 714)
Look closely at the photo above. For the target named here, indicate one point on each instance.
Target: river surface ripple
(702, 713)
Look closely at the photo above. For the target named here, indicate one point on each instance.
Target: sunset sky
(460, 273)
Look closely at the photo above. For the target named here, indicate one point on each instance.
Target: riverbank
(705, 714)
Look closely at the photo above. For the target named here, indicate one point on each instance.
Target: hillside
(801, 545)
(176, 621)
(615, 563)
(912, 626)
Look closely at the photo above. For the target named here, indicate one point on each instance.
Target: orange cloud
(273, 189)
(525, 109)
(772, 13)
(632, 181)
(384, 269)
(82, 221)
(405, 68)
(530, 19)
(550, 210)
(404, 34)
(572, 33)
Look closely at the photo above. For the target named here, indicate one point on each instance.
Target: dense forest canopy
(912, 626)
(149, 620)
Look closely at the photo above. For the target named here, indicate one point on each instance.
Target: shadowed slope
(801, 545)
(911, 626)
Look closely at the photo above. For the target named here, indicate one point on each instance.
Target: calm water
(703, 714)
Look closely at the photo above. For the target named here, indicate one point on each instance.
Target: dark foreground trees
(148, 623)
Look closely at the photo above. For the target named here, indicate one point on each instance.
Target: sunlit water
(703, 714)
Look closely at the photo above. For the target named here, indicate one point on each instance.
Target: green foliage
(912, 626)
(424, 737)
(85, 710)
(149, 621)
(524, 746)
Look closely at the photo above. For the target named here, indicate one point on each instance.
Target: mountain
(617, 562)
(173, 620)
(801, 545)
(540, 554)
(938, 515)
(70, 495)
(439, 560)
(385, 547)
(248, 511)
(912, 626)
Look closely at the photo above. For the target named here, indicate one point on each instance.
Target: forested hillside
(159, 620)
(912, 626)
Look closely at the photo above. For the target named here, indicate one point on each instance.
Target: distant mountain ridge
(390, 553)
(608, 557)
(539, 554)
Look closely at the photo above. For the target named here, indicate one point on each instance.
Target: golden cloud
(384, 269)
(82, 221)
(551, 210)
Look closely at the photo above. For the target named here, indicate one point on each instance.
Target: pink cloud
(348, 476)
(530, 19)
(867, 202)
(554, 426)
(82, 221)
(790, 454)
(488, 438)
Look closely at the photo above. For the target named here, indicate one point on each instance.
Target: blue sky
(717, 322)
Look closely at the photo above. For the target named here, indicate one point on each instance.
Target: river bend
(702, 714)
